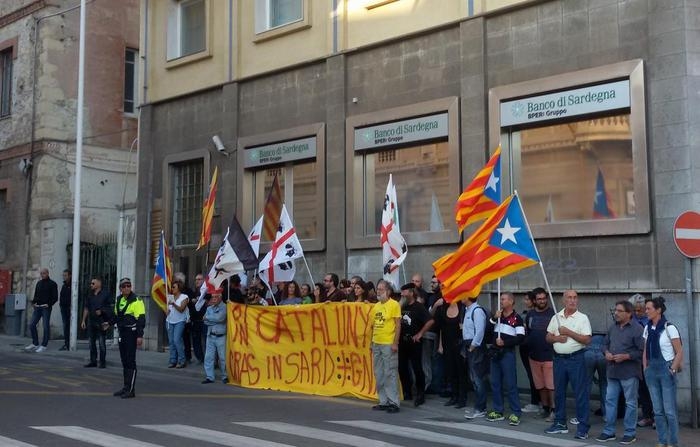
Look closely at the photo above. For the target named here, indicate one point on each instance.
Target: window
(271, 14)
(187, 28)
(5, 81)
(187, 200)
(574, 148)
(575, 171)
(298, 183)
(131, 74)
(419, 146)
(297, 157)
(4, 227)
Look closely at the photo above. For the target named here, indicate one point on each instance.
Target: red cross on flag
(394, 249)
(278, 264)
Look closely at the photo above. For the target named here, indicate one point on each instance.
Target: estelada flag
(208, 211)
(482, 196)
(501, 246)
(273, 209)
(601, 200)
(162, 278)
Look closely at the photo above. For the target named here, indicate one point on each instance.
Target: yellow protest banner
(321, 349)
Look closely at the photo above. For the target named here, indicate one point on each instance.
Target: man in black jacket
(97, 311)
(45, 296)
(64, 300)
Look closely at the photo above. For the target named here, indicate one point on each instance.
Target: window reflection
(300, 179)
(421, 177)
(577, 171)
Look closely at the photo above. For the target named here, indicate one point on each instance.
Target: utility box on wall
(15, 304)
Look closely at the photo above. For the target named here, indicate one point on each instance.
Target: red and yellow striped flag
(482, 196)
(162, 278)
(273, 210)
(208, 211)
(501, 246)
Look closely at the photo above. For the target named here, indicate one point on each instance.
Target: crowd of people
(430, 346)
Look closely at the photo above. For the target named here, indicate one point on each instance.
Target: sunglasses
(124, 286)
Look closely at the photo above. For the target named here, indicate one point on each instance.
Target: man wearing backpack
(473, 333)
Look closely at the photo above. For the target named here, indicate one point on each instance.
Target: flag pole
(544, 275)
(308, 269)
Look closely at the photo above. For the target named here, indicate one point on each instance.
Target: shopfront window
(574, 148)
(419, 147)
(582, 170)
(296, 157)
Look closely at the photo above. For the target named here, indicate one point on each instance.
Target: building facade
(39, 70)
(592, 102)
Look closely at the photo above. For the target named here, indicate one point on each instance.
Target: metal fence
(97, 258)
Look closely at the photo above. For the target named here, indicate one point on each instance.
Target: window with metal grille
(188, 197)
(386, 156)
(5, 81)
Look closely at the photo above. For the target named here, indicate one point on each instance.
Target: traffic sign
(686, 234)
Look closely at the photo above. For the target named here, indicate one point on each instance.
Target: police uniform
(130, 318)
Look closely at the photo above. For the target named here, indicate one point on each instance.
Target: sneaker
(30, 348)
(645, 422)
(40, 349)
(393, 409)
(550, 418)
(531, 408)
(224, 380)
(605, 437)
(63, 348)
(513, 420)
(580, 435)
(627, 440)
(206, 381)
(573, 421)
(474, 414)
(556, 429)
(494, 416)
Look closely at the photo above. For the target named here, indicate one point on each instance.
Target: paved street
(49, 399)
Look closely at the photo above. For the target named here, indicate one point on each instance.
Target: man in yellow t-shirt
(386, 329)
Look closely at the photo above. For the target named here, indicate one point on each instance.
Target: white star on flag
(508, 232)
(493, 182)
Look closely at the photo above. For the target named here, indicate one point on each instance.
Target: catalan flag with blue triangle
(501, 246)
(601, 201)
(482, 196)
(162, 278)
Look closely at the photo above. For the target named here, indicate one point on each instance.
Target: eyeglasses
(123, 286)
(620, 310)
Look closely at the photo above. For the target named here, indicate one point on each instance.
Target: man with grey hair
(45, 296)
(386, 330)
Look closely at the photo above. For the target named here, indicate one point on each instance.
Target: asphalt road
(51, 400)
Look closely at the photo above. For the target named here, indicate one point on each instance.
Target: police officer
(130, 318)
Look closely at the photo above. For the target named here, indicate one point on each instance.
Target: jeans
(97, 335)
(176, 343)
(386, 369)
(629, 388)
(595, 364)
(476, 363)
(429, 346)
(65, 317)
(45, 314)
(215, 345)
(572, 370)
(504, 377)
(662, 388)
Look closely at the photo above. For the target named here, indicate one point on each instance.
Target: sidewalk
(433, 407)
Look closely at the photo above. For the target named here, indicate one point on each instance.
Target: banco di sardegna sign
(580, 101)
(321, 349)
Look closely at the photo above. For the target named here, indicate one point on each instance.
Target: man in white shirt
(569, 331)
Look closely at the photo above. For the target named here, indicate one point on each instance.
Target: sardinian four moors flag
(394, 249)
(278, 264)
(255, 234)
